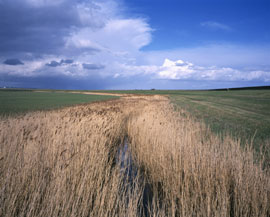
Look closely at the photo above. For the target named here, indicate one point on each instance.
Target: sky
(134, 44)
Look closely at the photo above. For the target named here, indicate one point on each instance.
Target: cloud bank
(179, 69)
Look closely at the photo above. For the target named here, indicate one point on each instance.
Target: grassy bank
(22, 101)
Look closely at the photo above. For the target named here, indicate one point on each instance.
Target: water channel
(133, 176)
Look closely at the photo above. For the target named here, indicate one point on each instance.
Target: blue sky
(139, 44)
(195, 22)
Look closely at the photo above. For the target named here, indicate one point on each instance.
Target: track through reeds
(68, 163)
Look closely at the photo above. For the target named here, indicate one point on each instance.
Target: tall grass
(65, 163)
(192, 171)
(61, 163)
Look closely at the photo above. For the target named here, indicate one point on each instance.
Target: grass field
(21, 101)
(243, 113)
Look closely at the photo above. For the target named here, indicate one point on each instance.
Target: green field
(22, 101)
(243, 113)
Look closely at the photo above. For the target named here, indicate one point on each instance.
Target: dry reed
(194, 172)
(64, 163)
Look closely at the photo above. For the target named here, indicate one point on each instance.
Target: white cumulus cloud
(116, 35)
(181, 70)
(176, 69)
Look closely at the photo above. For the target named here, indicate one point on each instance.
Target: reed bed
(192, 171)
(61, 163)
(66, 163)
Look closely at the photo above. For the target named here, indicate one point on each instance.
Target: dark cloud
(42, 30)
(92, 66)
(68, 61)
(62, 62)
(55, 82)
(53, 64)
(13, 62)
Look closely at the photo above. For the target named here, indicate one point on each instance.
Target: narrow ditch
(132, 176)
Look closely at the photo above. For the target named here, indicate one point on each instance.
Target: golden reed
(63, 163)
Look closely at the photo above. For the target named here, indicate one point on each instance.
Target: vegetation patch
(244, 114)
(22, 101)
(134, 156)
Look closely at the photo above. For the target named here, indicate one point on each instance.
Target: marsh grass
(193, 171)
(63, 163)
(60, 163)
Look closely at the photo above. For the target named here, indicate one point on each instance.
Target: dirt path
(102, 94)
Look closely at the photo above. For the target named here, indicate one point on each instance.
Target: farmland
(244, 114)
(138, 155)
(22, 101)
